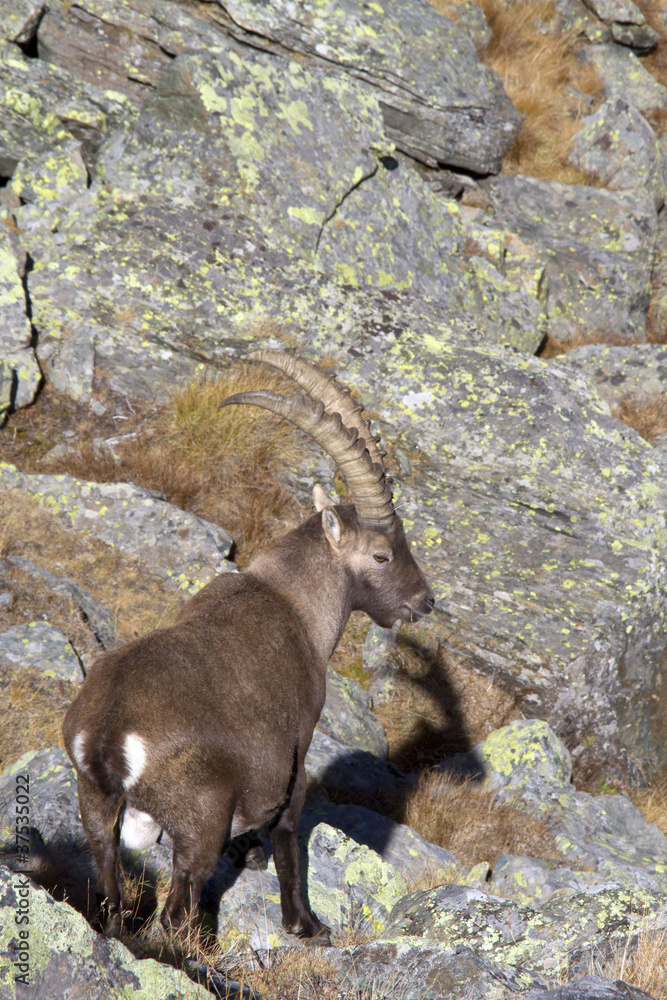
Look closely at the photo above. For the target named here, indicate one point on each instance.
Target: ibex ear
(331, 526)
(321, 499)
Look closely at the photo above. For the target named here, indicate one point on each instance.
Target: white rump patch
(135, 758)
(77, 749)
(138, 830)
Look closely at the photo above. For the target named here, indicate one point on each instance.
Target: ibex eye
(379, 558)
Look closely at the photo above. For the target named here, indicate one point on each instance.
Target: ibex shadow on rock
(201, 729)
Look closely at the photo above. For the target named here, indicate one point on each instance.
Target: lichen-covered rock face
(54, 806)
(348, 718)
(439, 101)
(638, 371)
(40, 645)
(623, 75)
(628, 24)
(350, 887)
(60, 954)
(599, 275)
(182, 548)
(618, 146)
(545, 939)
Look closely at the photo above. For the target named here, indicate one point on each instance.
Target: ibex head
(366, 537)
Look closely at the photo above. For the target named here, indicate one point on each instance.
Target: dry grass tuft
(551, 348)
(469, 822)
(220, 464)
(652, 802)
(33, 710)
(646, 413)
(543, 76)
(643, 964)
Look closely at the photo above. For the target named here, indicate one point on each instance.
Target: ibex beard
(202, 729)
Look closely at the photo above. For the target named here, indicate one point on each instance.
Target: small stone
(6, 601)
(97, 407)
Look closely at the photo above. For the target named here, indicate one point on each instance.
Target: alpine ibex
(201, 729)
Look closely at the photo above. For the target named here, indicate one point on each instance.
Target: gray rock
(15, 331)
(533, 882)
(348, 718)
(348, 885)
(598, 272)
(623, 75)
(530, 768)
(558, 934)
(615, 372)
(591, 988)
(54, 805)
(398, 844)
(628, 24)
(422, 970)
(182, 548)
(379, 658)
(100, 621)
(424, 110)
(20, 21)
(473, 20)
(65, 956)
(618, 145)
(6, 600)
(355, 772)
(42, 646)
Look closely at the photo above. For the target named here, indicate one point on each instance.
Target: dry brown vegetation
(545, 79)
(469, 822)
(642, 963)
(646, 413)
(221, 464)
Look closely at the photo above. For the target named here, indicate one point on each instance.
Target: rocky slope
(173, 174)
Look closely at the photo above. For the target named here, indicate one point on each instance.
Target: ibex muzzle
(201, 729)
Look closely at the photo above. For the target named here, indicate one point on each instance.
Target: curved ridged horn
(336, 398)
(365, 480)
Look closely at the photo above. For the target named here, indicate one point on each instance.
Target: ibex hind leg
(196, 854)
(298, 918)
(99, 815)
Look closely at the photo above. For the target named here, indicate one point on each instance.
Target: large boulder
(439, 102)
(58, 954)
(597, 246)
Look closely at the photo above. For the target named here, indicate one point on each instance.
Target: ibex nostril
(430, 600)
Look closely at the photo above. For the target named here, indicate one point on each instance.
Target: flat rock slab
(42, 646)
(182, 548)
(598, 248)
